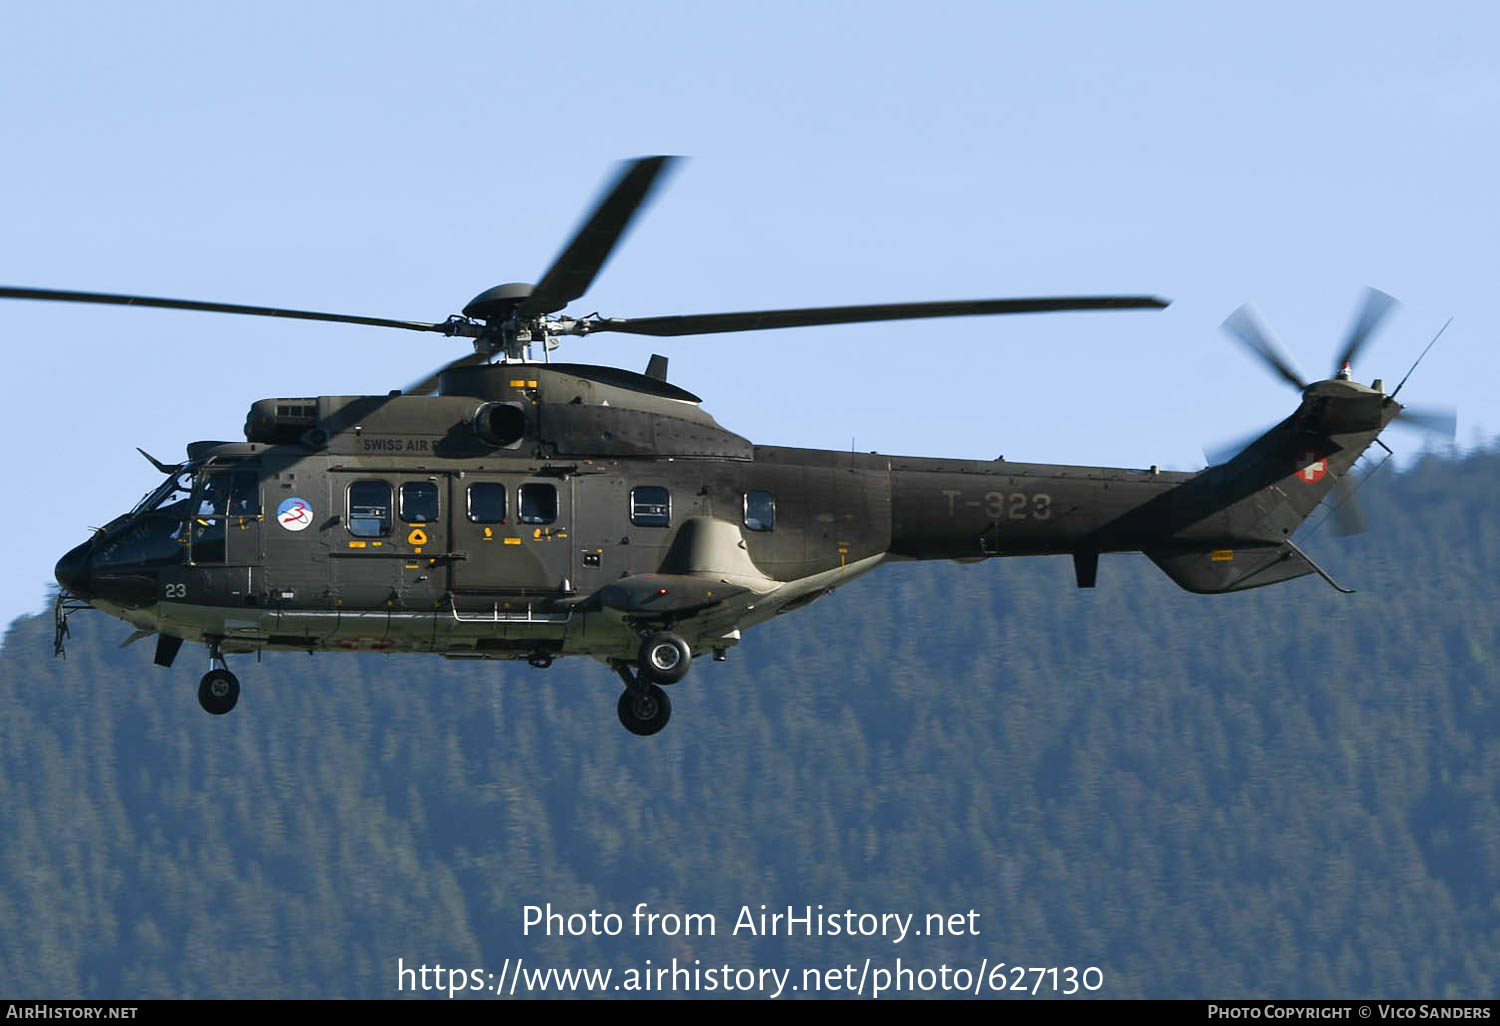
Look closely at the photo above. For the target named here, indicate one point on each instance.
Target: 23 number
(1018, 505)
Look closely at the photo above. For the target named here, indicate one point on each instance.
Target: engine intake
(501, 425)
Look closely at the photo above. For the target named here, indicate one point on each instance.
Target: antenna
(1424, 354)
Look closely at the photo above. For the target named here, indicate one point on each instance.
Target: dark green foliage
(1285, 792)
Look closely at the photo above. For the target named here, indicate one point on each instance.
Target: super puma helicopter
(534, 510)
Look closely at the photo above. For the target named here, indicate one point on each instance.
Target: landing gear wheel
(218, 691)
(664, 658)
(644, 709)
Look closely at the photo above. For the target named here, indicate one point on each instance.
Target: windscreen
(178, 487)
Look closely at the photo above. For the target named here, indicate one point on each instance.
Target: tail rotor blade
(1434, 420)
(1348, 517)
(1376, 306)
(1246, 326)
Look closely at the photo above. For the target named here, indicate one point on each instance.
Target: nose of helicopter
(72, 571)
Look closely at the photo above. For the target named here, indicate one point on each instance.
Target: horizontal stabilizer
(1215, 571)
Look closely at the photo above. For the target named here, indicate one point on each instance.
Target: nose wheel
(219, 689)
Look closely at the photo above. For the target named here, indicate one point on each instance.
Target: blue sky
(395, 160)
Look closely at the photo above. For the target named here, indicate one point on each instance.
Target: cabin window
(760, 510)
(487, 502)
(650, 506)
(419, 502)
(370, 509)
(538, 503)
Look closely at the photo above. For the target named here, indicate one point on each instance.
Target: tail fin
(1232, 525)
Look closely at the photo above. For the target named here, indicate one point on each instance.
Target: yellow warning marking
(512, 541)
(536, 532)
(417, 537)
(531, 384)
(489, 533)
(377, 544)
(1222, 555)
(418, 550)
(356, 545)
(412, 566)
(518, 383)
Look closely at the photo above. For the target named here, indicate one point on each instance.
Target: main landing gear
(664, 658)
(219, 689)
(644, 708)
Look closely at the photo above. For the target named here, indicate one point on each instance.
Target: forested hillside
(1288, 792)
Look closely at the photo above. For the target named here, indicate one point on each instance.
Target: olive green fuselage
(547, 510)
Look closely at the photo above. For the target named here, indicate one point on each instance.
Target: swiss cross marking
(1312, 467)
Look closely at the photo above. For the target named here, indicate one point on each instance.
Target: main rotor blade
(1435, 420)
(1223, 452)
(1372, 311)
(761, 320)
(574, 270)
(1246, 326)
(427, 384)
(1348, 517)
(61, 296)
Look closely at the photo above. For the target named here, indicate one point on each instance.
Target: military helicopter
(536, 509)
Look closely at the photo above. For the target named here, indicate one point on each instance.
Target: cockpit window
(226, 497)
(144, 541)
(370, 509)
(176, 488)
(419, 502)
(155, 532)
(232, 493)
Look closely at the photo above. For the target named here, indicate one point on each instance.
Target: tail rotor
(1248, 329)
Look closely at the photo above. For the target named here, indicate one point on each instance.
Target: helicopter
(505, 507)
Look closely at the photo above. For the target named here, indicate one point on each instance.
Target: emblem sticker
(1313, 467)
(294, 514)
